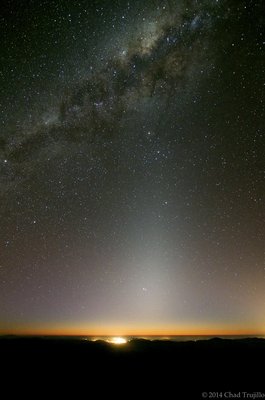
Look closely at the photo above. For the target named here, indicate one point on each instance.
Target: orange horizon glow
(133, 331)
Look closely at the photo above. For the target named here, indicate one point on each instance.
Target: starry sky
(132, 166)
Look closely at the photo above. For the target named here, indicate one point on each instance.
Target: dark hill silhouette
(188, 367)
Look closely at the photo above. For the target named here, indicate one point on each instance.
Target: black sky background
(132, 166)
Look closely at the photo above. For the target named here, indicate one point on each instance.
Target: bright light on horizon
(117, 340)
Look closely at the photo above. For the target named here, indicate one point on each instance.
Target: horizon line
(133, 335)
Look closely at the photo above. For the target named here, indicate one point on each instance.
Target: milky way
(155, 63)
(132, 167)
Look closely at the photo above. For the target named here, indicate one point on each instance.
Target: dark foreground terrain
(138, 369)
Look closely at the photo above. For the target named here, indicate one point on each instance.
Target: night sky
(132, 166)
